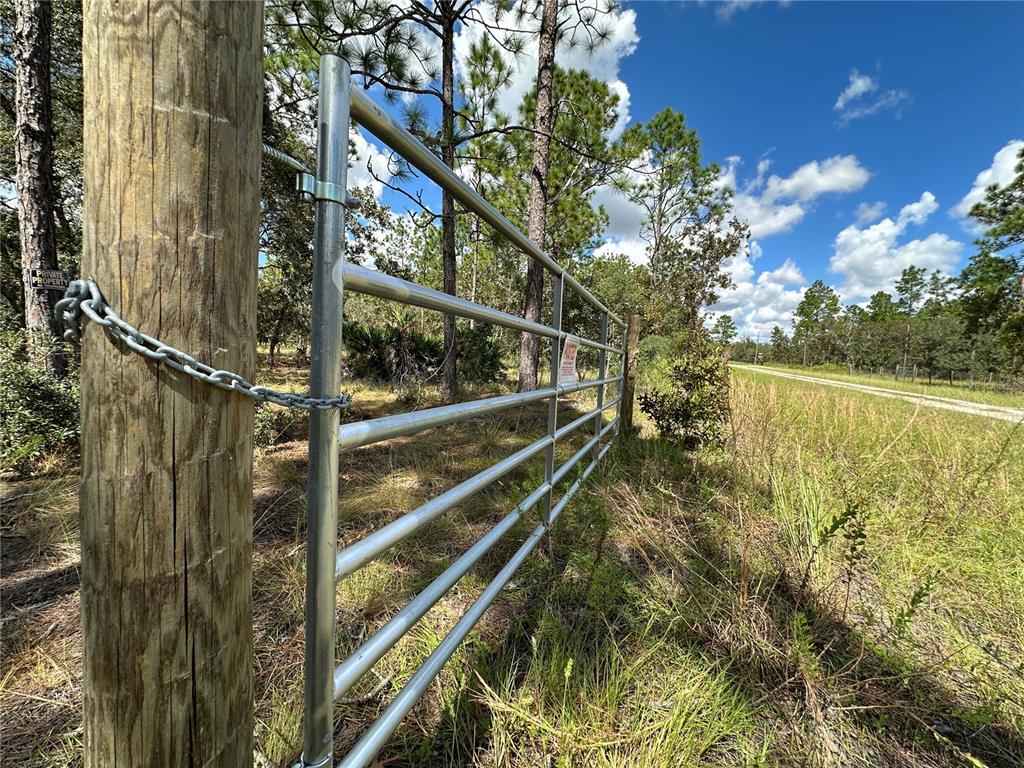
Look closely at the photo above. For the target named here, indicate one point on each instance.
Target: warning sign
(567, 366)
(48, 279)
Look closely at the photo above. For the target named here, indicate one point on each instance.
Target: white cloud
(778, 204)
(1001, 172)
(861, 98)
(859, 85)
(768, 206)
(767, 218)
(756, 305)
(368, 155)
(622, 120)
(836, 174)
(918, 212)
(728, 8)
(632, 248)
(871, 259)
(625, 220)
(869, 212)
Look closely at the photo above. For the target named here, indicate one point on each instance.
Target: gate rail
(324, 682)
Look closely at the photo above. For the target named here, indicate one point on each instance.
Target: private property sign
(567, 365)
(48, 279)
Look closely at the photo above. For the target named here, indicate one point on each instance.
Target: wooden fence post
(172, 142)
(629, 382)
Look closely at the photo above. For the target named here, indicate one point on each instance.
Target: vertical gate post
(172, 156)
(629, 376)
(557, 286)
(602, 366)
(325, 381)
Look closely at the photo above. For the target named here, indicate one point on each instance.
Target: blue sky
(854, 134)
(938, 92)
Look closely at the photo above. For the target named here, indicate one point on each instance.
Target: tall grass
(980, 392)
(841, 586)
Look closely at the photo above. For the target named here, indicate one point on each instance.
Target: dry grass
(687, 610)
(979, 392)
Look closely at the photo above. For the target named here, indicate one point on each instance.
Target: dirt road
(931, 401)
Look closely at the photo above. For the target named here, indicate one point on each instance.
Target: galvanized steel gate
(325, 682)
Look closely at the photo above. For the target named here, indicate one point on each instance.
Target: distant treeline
(969, 327)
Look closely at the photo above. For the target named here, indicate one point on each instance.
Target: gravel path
(932, 401)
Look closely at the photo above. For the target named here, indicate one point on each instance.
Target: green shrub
(480, 356)
(397, 353)
(655, 348)
(392, 352)
(273, 424)
(692, 410)
(39, 413)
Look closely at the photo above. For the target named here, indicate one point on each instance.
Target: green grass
(842, 586)
(980, 393)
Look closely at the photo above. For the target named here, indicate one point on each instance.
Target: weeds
(840, 587)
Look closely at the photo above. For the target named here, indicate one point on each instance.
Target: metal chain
(83, 298)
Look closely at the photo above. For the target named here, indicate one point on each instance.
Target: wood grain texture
(173, 97)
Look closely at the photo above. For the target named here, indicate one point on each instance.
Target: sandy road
(931, 401)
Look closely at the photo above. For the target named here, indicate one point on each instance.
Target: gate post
(173, 95)
(629, 378)
(325, 381)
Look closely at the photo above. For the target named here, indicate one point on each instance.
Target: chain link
(83, 298)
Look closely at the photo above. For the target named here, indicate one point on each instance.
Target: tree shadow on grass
(822, 690)
(378, 484)
(859, 697)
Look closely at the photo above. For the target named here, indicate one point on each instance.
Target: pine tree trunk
(543, 122)
(448, 264)
(275, 339)
(171, 220)
(33, 151)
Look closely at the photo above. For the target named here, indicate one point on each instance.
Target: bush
(480, 356)
(397, 353)
(39, 413)
(693, 408)
(272, 425)
(392, 352)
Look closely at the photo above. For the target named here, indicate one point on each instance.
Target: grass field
(980, 393)
(842, 586)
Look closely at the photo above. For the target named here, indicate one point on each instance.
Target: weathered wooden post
(172, 172)
(629, 380)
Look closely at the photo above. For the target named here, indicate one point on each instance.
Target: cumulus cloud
(862, 97)
(919, 211)
(869, 212)
(777, 204)
(758, 304)
(769, 205)
(837, 174)
(767, 218)
(871, 258)
(1001, 172)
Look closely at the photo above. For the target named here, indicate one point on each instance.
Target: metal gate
(325, 681)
